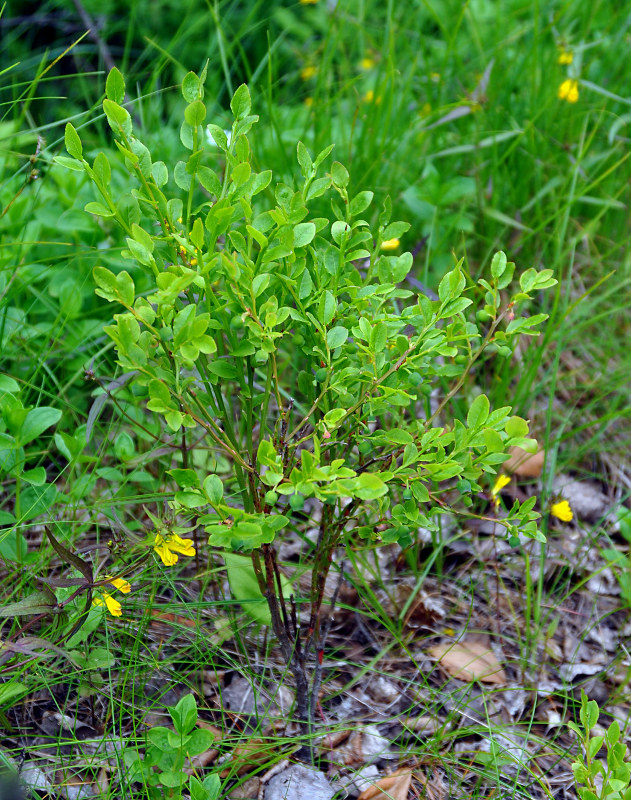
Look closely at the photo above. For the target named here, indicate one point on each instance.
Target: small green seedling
(163, 769)
(600, 779)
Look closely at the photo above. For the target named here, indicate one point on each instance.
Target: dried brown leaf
(526, 465)
(469, 661)
(393, 787)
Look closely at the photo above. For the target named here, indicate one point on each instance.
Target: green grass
(508, 165)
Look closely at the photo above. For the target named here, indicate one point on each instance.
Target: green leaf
(479, 412)
(172, 780)
(36, 476)
(42, 602)
(11, 691)
(304, 159)
(370, 486)
(98, 209)
(360, 203)
(195, 113)
(213, 488)
(589, 712)
(184, 715)
(340, 231)
(498, 265)
(118, 118)
(245, 587)
(241, 103)
(115, 86)
(36, 422)
(304, 234)
(200, 741)
(208, 790)
(73, 142)
(336, 337)
(159, 173)
(185, 478)
(191, 87)
(339, 174)
(69, 163)
(516, 427)
(8, 385)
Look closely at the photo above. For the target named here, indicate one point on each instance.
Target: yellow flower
(168, 546)
(568, 90)
(306, 73)
(366, 63)
(562, 511)
(106, 599)
(308, 101)
(500, 482)
(113, 606)
(193, 262)
(308, 2)
(390, 244)
(566, 57)
(369, 97)
(120, 583)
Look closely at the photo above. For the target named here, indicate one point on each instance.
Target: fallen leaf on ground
(527, 465)
(469, 661)
(394, 787)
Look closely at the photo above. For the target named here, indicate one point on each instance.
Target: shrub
(284, 344)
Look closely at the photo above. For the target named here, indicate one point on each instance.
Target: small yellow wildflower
(308, 2)
(366, 63)
(168, 546)
(306, 73)
(500, 482)
(562, 510)
(193, 262)
(113, 606)
(568, 90)
(106, 599)
(426, 109)
(390, 244)
(308, 101)
(369, 96)
(566, 57)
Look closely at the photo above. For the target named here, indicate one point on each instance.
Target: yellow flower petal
(369, 96)
(113, 606)
(390, 244)
(366, 63)
(308, 101)
(308, 72)
(183, 546)
(568, 90)
(168, 558)
(562, 510)
(566, 57)
(308, 2)
(120, 583)
(500, 482)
